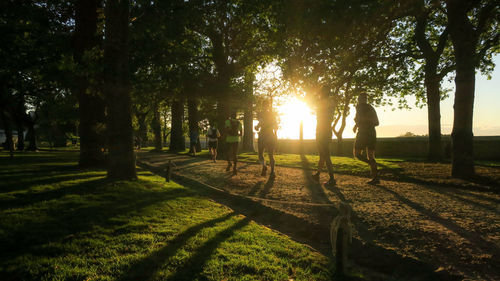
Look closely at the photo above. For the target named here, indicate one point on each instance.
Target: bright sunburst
(291, 113)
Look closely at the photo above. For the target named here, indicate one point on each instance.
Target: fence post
(340, 237)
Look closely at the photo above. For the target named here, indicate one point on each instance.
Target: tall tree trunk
(121, 160)
(9, 142)
(177, 140)
(156, 126)
(435, 150)
(20, 135)
(248, 114)
(193, 120)
(31, 135)
(20, 117)
(143, 128)
(91, 105)
(464, 45)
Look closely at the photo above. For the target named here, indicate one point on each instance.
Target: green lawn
(61, 223)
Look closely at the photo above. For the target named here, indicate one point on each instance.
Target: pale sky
(397, 122)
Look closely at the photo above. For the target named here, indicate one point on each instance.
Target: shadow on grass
(363, 253)
(194, 266)
(146, 268)
(100, 202)
(29, 180)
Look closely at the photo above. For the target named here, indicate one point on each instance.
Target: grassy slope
(60, 223)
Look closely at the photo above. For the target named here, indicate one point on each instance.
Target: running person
(213, 136)
(234, 131)
(324, 138)
(267, 128)
(366, 120)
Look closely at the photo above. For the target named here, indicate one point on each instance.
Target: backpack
(212, 133)
(233, 129)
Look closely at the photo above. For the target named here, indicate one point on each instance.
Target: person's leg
(215, 151)
(358, 153)
(235, 156)
(321, 162)
(271, 159)
(229, 148)
(261, 156)
(373, 165)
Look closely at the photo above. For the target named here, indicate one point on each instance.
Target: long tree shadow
(69, 217)
(454, 194)
(90, 185)
(194, 266)
(363, 253)
(483, 183)
(473, 238)
(27, 181)
(146, 268)
(317, 192)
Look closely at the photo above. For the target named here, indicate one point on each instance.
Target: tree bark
(31, 135)
(248, 116)
(464, 44)
(177, 140)
(156, 126)
(121, 159)
(435, 149)
(9, 142)
(20, 135)
(193, 120)
(91, 105)
(143, 128)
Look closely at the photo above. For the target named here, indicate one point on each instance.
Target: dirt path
(456, 232)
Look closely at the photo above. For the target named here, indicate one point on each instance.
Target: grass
(61, 223)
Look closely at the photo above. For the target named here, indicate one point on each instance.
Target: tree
(474, 31)
(121, 159)
(91, 105)
(420, 35)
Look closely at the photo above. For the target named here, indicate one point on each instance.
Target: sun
(291, 114)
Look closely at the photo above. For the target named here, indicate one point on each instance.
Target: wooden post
(340, 237)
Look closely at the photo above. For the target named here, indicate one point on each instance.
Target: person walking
(213, 136)
(366, 136)
(268, 139)
(324, 136)
(194, 135)
(234, 130)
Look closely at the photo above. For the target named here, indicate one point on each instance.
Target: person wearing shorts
(267, 128)
(234, 130)
(213, 136)
(324, 137)
(364, 146)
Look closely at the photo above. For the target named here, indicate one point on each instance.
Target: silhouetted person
(267, 128)
(213, 136)
(193, 140)
(234, 131)
(366, 120)
(324, 137)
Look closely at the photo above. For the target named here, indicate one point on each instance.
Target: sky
(396, 122)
